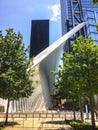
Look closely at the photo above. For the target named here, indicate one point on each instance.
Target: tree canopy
(79, 73)
(15, 69)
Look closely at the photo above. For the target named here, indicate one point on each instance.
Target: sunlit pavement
(44, 124)
(42, 121)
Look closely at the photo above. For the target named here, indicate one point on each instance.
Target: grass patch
(78, 125)
(1, 128)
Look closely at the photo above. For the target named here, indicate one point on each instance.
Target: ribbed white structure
(47, 60)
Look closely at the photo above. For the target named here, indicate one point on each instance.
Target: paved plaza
(36, 121)
(39, 125)
(40, 121)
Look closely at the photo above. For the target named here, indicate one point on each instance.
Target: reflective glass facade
(74, 12)
(92, 19)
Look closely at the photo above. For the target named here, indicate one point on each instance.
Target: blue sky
(18, 14)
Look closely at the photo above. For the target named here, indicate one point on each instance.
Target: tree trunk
(6, 119)
(81, 109)
(92, 112)
(74, 113)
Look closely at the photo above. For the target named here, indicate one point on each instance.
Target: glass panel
(90, 14)
(92, 21)
(95, 36)
(93, 29)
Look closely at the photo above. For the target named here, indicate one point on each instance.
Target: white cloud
(55, 12)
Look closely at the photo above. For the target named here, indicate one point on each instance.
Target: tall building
(39, 36)
(74, 12)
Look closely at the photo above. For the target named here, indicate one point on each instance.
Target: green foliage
(15, 68)
(86, 57)
(97, 27)
(14, 78)
(77, 125)
(78, 76)
(2, 128)
(95, 1)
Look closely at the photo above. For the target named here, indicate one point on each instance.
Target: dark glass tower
(39, 36)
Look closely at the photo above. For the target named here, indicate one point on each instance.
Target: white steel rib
(44, 62)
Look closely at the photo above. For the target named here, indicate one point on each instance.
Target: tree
(86, 55)
(15, 69)
(95, 1)
(82, 71)
(66, 84)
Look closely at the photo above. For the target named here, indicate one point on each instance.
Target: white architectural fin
(41, 56)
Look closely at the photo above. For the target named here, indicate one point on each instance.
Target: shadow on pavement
(55, 122)
(9, 124)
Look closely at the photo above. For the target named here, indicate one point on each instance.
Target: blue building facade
(74, 12)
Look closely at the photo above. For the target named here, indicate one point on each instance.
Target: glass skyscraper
(74, 12)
